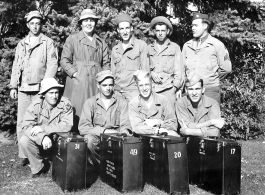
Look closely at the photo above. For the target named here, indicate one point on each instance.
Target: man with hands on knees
(105, 112)
(46, 115)
(198, 114)
(151, 113)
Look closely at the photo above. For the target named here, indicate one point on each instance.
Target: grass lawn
(15, 180)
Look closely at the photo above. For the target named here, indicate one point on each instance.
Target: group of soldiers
(140, 89)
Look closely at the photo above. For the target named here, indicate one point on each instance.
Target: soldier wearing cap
(48, 114)
(105, 112)
(165, 61)
(149, 112)
(127, 57)
(84, 55)
(206, 56)
(35, 58)
(198, 114)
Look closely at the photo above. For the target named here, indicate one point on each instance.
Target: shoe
(43, 171)
(24, 162)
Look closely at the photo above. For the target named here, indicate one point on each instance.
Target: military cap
(161, 19)
(192, 79)
(88, 13)
(47, 84)
(140, 74)
(123, 18)
(33, 14)
(199, 16)
(103, 75)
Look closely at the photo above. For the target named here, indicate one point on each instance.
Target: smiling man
(149, 112)
(198, 114)
(165, 61)
(84, 55)
(46, 115)
(105, 112)
(127, 57)
(206, 56)
(35, 59)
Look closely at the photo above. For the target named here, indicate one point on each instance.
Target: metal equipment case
(215, 165)
(70, 162)
(121, 162)
(165, 163)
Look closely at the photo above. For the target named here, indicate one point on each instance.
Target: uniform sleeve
(125, 124)
(65, 122)
(182, 113)
(144, 59)
(214, 113)
(225, 65)
(29, 121)
(52, 60)
(86, 121)
(137, 121)
(105, 57)
(170, 120)
(112, 64)
(13, 81)
(67, 57)
(178, 68)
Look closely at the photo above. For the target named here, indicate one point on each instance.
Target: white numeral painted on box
(177, 154)
(133, 152)
(233, 150)
(77, 146)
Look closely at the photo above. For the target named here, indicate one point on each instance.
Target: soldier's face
(34, 26)
(195, 92)
(145, 87)
(198, 28)
(52, 96)
(125, 30)
(161, 32)
(106, 88)
(88, 25)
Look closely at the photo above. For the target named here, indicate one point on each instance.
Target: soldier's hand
(110, 131)
(173, 133)
(219, 122)
(35, 130)
(13, 93)
(153, 122)
(156, 77)
(46, 143)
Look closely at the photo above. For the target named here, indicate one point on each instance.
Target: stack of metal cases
(70, 162)
(121, 162)
(165, 163)
(215, 165)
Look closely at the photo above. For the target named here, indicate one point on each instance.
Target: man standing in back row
(206, 56)
(127, 57)
(165, 61)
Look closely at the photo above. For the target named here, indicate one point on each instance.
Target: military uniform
(161, 108)
(95, 119)
(208, 109)
(39, 113)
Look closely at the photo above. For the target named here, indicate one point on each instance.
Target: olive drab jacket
(86, 58)
(95, 118)
(42, 61)
(168, 64)
(210, 60)
(58, 119)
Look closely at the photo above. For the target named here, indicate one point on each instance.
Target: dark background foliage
(238, 24)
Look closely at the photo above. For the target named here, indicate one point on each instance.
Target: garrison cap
(33, 14)
(161, 19)
(103, 75)
(199, 16)
(123, 18)
(192, 79)
(88, 13)
(47, 84)
(140, 74)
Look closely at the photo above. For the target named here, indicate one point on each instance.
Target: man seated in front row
(198, 114)
(50, 113)
(151, 113)
(105, 112)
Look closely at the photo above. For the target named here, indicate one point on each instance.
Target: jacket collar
(154, 109)
(38, 41)
(86, 41)
(193, 42)
(99, 101)
(163, 48)
(119, 48)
